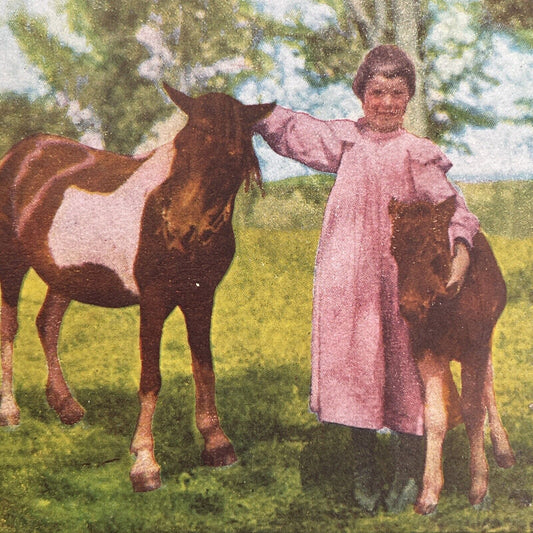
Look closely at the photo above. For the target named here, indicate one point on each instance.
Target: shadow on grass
(259, 407)
(327, 462)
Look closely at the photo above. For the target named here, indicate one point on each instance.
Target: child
(363, 373)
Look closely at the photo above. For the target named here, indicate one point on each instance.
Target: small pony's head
(420, 246)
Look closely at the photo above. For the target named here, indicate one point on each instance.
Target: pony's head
(420, 246)
(215, 155)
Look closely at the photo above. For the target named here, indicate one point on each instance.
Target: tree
(516, 15)
(515, 18)
(439, 109)
(111, 85)
(21, 116)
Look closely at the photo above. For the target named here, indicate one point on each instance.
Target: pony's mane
(253, 171)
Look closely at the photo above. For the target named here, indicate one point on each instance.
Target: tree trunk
(407, 16)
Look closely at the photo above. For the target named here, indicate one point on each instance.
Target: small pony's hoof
(484, 504)
(505, 460)
(145, 481)
(223, 456)
(425, 508)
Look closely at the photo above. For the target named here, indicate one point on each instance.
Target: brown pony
(114, 231)
(446, 326)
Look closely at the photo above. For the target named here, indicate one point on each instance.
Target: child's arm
(428, 168)
(459, 268)
(316, 143)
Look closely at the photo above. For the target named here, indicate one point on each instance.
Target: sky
(503, 151)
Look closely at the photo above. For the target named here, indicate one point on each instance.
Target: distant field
(504, 207)
(294, 475)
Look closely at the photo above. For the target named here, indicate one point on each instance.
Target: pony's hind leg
(503, 452)
(57, 392)
(473, 378)
(9, 410)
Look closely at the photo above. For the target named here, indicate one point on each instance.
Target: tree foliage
(449, 41)
(512, 14)
(22, 116)
(111, 85)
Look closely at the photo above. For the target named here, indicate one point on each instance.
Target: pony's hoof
(146, 480)
(505, 460)
(68, 409)
(425, 508)
(10, 417)
(482, 504)
(71, 412)
(223, 456)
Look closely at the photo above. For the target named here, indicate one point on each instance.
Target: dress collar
(366, 131)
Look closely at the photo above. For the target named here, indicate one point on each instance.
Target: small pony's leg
(452, 399)
(473, 378)
(218, 450)
(145, 473)
(501, 446)
(57, 392)
(433, 371)
(9, 410)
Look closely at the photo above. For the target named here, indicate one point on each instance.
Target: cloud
(312, 14)
(498, 153)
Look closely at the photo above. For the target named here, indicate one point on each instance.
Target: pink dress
(363, 374)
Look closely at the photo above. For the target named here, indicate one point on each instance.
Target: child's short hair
(386, 60)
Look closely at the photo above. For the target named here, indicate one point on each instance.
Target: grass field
(293, 474)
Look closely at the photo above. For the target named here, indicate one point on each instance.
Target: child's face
(384, 103)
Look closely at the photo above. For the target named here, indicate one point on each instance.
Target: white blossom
(94, 139)
(160, 55)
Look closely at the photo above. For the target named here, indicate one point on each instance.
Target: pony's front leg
(145, 473)
(218, 450)
(433, 371)
(9, 410)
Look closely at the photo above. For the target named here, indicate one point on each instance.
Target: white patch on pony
(104, 229)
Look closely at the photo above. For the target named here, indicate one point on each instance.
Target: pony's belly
(89, 284)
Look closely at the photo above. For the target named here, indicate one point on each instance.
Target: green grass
(293, 474)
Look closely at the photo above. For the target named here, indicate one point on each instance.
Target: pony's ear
(446, 209)
(183, 101)
(394, 207)
(254, 113)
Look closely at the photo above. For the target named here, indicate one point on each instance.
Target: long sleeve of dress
(316, 143)
(428, 168)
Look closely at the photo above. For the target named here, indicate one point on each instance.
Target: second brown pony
(446, 326)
